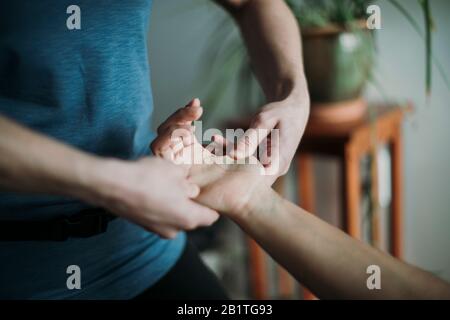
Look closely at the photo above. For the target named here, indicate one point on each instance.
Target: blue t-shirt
(79, 74)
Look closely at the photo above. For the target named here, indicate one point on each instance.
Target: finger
(221, 141)
(167, 154)
(220, 145)
(192, 190)
(273, 163)
(180, 170)
(177, 146)
(248, 143)
(201, 215)
(172, 133)
(265, 151)
(165, 232)
(184, 116)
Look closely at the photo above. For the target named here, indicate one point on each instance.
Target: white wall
(426, 134)
(179, 34)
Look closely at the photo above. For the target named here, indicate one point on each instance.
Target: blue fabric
(89, 88)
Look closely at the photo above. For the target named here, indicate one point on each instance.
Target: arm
(325, 259)
(31, 162)
(273, 41)
(328, 261)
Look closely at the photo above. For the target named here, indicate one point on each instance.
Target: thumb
(184, 116)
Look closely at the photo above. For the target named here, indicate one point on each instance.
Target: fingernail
(196, 102)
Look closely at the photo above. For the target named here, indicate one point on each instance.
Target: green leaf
(428, 41)
(417, 28)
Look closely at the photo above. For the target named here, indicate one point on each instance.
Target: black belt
(85, 224)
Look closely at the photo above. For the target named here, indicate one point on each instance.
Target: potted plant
(339, 54)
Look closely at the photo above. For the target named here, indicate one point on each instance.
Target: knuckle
(179, 131)
(259, 119)
(172, 234)
(157, 145)
(262, 117)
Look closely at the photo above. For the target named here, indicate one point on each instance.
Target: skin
(30, 162)
(325, 259)
(272, 37)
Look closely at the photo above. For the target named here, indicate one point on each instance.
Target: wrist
(299, 95)
(98, 180)
(294, 89)
(261, 200)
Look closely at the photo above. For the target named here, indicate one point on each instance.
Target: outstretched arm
(325, 259)
(328, 261)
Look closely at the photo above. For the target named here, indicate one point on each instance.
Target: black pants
(189, 279)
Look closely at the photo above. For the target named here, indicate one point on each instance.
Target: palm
(226, 185)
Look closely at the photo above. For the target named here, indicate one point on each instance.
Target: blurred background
(184, 38)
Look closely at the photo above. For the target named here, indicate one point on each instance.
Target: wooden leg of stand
(258, 271)
(305, 177)
(351, 192)
(397, 178)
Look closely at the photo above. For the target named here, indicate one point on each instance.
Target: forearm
(273, 41)
(329, 262)
(30, 162)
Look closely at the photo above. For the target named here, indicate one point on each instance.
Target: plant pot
(338, 62)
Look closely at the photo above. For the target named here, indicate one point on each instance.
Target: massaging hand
(290, 117)
(155, 194)
(287, 116)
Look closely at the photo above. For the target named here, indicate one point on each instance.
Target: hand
(226, 186)
(153, 193)
(290, 117)
(177, 143)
